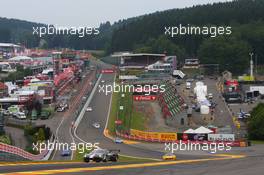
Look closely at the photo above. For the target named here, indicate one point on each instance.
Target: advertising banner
(107, 71)
(153, 135)
(144, 98)
(221, 137)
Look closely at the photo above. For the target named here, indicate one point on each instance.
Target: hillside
(146, 34)
(20, 31)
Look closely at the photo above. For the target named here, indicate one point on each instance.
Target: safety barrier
(20, 152)
(146, 139)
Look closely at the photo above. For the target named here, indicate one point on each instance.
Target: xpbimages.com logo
(80, 31)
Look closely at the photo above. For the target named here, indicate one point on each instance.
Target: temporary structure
(202, 130)
(189, 131)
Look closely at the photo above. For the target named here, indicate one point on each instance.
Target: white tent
(204, 109)
(202, 130)
(189, 131)
(34, 80)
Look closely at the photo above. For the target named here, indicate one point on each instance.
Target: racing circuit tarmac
(228, 165)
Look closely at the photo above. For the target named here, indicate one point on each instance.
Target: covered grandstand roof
(137, 54)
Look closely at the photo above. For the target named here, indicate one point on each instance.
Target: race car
(169, 156)
(89, 109)
(118, 140)
(96, 125)
(99, 155)
(65, 152)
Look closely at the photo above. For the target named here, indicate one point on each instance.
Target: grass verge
(113, 113)
(257, 141)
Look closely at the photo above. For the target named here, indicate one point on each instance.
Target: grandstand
(172, 104)
(138, 60)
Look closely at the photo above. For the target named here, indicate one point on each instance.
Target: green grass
(191, 72)
(113, 113)
(5, 139)
(132, 159)
(136, 72)
(139, 120)
(129, 117)
(257, 141)
(78, 156)
(125, 114)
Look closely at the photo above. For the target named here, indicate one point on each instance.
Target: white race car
(89, 109)
(96, 125)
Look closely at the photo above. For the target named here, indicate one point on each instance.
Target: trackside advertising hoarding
(170, 137)
(221, 137)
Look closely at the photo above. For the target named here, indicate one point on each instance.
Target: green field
(257, 142)
(129, 117)
(78, 156)
(113, 113)
(5, 139)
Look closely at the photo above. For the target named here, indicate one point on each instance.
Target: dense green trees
(246, 18)
(256, 123)
(160, 45)
(229, 52)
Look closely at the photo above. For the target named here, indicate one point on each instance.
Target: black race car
(99, 155)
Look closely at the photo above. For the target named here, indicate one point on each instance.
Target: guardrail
(44, 155)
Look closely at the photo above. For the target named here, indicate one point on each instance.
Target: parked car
(60, 109)
(44, 115)
(7, 112)
(99, 155)
(20, 115)
(34, 115)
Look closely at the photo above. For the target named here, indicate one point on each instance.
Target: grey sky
(87, 12)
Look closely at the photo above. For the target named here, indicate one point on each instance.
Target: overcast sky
(87, 12)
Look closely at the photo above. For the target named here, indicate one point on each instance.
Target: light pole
(251, 64)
